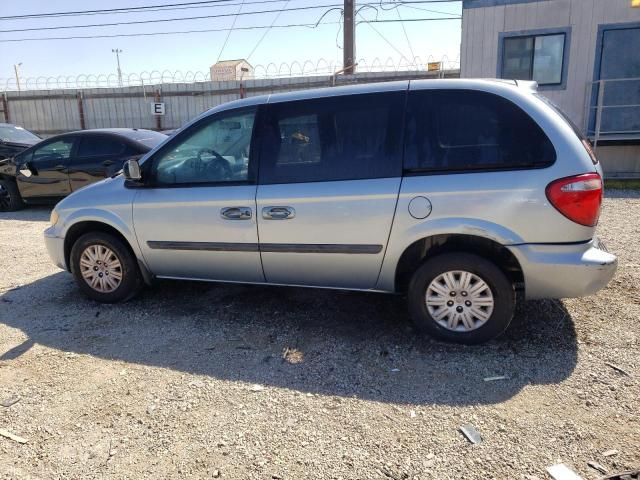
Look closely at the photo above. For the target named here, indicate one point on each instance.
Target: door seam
(393, 219)
(402, 152)
(255, 203)
(135, 232)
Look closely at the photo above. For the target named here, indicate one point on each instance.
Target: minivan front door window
(216, 152)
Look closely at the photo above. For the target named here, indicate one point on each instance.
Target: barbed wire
(304, 68)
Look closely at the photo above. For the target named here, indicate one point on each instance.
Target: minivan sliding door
(330, 172)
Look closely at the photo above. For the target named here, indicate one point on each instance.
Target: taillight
(578, 198)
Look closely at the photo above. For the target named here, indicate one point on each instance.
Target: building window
(615, 93)
(534, 57)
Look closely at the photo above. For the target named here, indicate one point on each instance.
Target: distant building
(227, 70)
(584, 54)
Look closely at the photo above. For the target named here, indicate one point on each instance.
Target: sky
(198, 51)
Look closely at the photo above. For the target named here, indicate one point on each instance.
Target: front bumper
(564, 270)
(55, 247)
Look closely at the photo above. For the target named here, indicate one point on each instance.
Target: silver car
(463, 194)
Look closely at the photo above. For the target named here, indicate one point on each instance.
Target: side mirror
(131, 170)
(26, 170)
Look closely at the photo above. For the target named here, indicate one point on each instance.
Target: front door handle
(236, 213)
(59, 168)
(108, 163)
(278, 213)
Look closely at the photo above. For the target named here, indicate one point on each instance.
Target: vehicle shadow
(34, 213)
(310, 340)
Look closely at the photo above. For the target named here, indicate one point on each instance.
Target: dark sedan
(60, 165)
(15, 139)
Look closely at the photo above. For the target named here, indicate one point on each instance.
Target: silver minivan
(462, 194)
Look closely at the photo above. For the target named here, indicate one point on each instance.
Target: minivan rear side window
(332, 138)
(465, 130)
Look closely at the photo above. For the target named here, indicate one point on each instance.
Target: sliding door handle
(236, 213)
(278, 213)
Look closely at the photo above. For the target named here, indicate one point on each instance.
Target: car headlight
(54, 217)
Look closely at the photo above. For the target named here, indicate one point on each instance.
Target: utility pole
(118, 52)
(16, 67)
(349, 28)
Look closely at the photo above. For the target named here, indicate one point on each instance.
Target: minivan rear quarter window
(333, 138)
(464, 130)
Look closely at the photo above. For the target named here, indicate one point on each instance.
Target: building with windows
(584, 54)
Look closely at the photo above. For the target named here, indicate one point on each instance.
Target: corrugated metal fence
(49, 112)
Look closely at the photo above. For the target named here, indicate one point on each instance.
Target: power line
(439, 12)
(110, 10)
(162, 20)
(369, 22)
(406, 36)
(411, 20)
(167, 6)
(151, 34)
(271, 26)
(255, 27)
(233, 24)
(226, 4)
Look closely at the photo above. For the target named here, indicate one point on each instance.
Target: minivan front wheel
(461, 297)
(104, 268)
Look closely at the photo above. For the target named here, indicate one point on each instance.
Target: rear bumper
(565, 271)
(55, 247)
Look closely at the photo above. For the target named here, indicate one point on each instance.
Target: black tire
(500, 286)
(131, 282)
(10, 198)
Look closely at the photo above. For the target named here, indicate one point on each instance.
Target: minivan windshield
(13, 133)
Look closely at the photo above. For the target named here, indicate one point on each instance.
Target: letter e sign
(157, 108)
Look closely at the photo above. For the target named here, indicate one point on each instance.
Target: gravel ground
(204, 381)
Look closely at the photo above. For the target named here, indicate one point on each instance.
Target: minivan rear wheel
(461, 297)
(104, 268)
